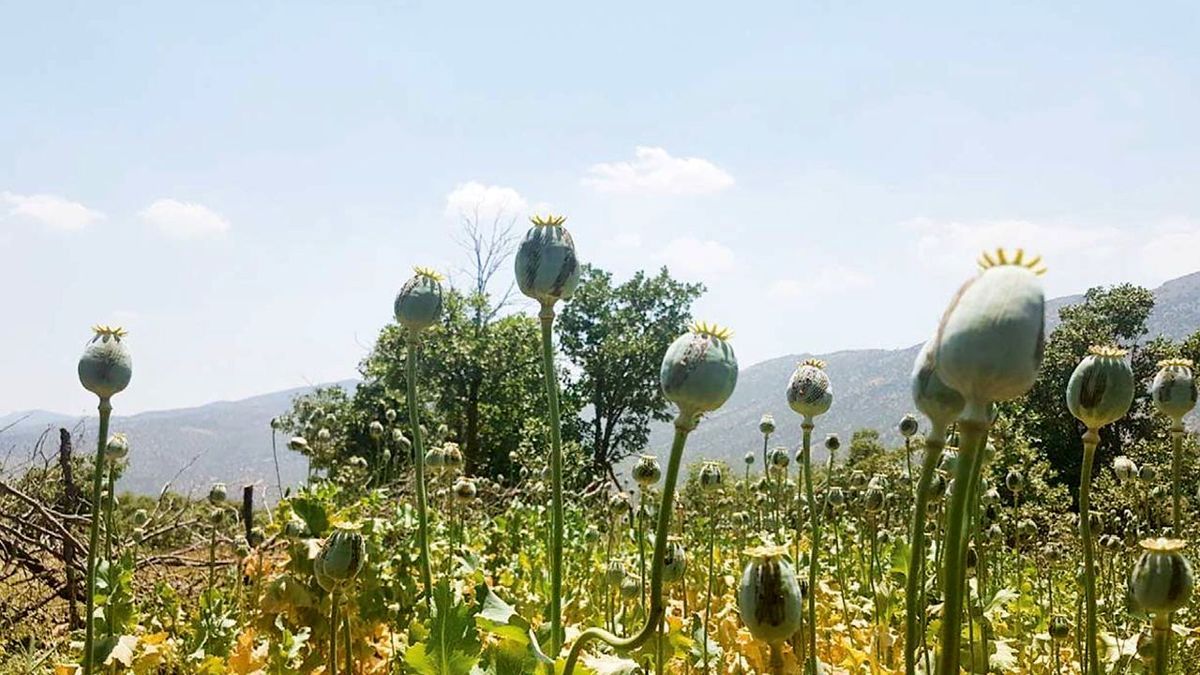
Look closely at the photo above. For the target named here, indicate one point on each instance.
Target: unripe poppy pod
(1101, 388)
(809, 391)
(646, 471)
(105, 367)
(217, 493)
(937, 401)
(615, 573)
(832, 443)
(768, 598)
(711, 476)
(630, 587)
(418, 305)
(375, 429)
(766, 424)
(389, 415)
(1161, 579)
(1174, 388)
(1014, 480)
(1124, 469)
(464, 490)
(779, 458)
(546, 264)
(343, 555)
(699, 370)
(1060, 628)
(908, 426)
(991, 339)
(298, 444)
(674, 563)
(117, 448)
(748, 458)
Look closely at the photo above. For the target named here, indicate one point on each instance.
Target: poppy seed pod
(546, 264)
(1014, 481)
(298, 444)
(646, 471)
(937, 486)
(343, 555)
(615, 572)
(435, 459)
(1124, 469)
(217, 493)
(454, 457)
(768, 597)
(699, 370)
(1161, 579)
(140, 517)
(1060, 628)
(873, 500)
(105, 367)
(630, 587)
(464, 490)
(908, 426)
(375, 430)
(418, 305)
(766, 424)
(1174, 388)
(858, 479)
(748, 458)
(835, 497)
(1101, 388)
(1027, 530)
(809, 391)
(674, 563)
(389, 415)
(832, 443)
(117, 448)
(711, 476)
(991, 338)
(1147, 474)
(937, 401)
(778, 458)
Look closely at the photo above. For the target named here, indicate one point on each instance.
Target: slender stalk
(914, 624)
(815, 518)
(641, 536)
(333, 634)
(1090, 440)
(414, 420)
(212, 555)
(712, 547)
(684, 424)
(1176, 467)
(973, 432)
(346, 642)
(556, 520)
(94, 538)
(275, 457)
(1161, 634)
(108, 514)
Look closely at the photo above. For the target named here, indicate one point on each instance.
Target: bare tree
(487, 235)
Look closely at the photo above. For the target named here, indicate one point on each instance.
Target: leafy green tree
(864, 444)
(615, 335)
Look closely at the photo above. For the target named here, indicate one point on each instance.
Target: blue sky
(245, 188)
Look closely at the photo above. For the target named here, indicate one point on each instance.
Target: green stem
(414, 420)
(556, 521)
(712, 547)
(346, 641)
(94, 538)
(108, 514)
(333, 634)
(973, 432)
(641, 535)
(1161, 634)
(1090, 440)
(815, 519)
(914, 625)
(684, 424)
(1176, 469)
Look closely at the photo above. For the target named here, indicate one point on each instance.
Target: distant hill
(870, 386)
(227, 441)
(231, 441)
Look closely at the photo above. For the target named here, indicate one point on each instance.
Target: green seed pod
(646, 471)
(386, 456)
(140, 517)
(949, 463)
(298, 444)
(1161, 580)
(1027, 530)
(832, 443)
(937, 486)
(778, 458)
(873, 500)
(390, 416)
(295, 527)
(591, 535)
(1060, 628)
(325, 581)
(117, 448)
(256, 538)
(357, 462)
(547, 267)
(1174, 388)
(1124, 469)
(908, 426)
(699, 370)
(1014, 481)
(464, 490)
(768, 597)
(1147, 474)
(1101, 388)
(105, 367)
(809, 391)
(990, 497)
(435, 459)
(858, 480)
(454, 457)
(343, 555)
(630, 587)
(766, 425)
(419, 303)
(615, 573)
(711, 476)
(994, 533)
(375, 430)
(937, 401)
(991, 339)
(401, 440)
(217, 493)
(216, 516)
(748, 458)
(674, 563)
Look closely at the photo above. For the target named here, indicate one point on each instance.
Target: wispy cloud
(184, 220)
(485, 203)
(654, 171)
(697, 258)
(52, 211)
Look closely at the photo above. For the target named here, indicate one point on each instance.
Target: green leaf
(452, 647)
(312, 512)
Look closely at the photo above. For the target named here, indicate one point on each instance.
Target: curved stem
(556, 519)
(815, 519)
(1090, 440)
(414, 420)
(973, 432)
(1176, 468)
(914, 584)
(94, 538)
(684, 424)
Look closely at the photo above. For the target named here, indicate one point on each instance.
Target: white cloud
(50, 210)
(825, 280)
(1077, 256)
(486, 203)
(654, 171)
(697, 258)
(628, 240)
(184, 220)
